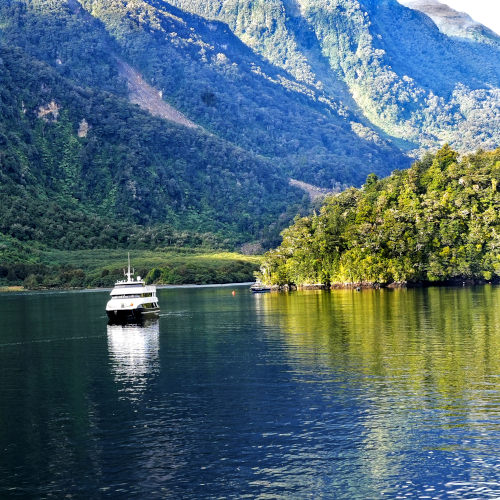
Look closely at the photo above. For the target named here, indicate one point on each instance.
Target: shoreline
(278, 288)
(20, 288)
(391, 286)
(10, 289)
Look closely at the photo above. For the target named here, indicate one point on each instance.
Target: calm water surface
(305, 395)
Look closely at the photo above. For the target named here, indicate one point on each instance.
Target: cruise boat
(131, 299)
(259, 287)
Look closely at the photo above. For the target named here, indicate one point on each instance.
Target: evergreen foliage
(435, 222)
(410, 80)
(204, 70)
(34, 266)
(278, 92)
(134, 180)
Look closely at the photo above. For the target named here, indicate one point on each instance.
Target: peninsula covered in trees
(435, 222)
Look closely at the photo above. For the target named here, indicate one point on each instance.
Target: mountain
(91, 153)
(80, 163)
(152, 123)
(410, 80)
(453, 23)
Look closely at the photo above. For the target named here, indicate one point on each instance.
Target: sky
(486, 12)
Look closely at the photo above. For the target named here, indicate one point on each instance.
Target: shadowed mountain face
(237, 98)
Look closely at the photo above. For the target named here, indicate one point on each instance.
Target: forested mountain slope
(208, 74)
(78, 161)
(256, 93)
(409, 79)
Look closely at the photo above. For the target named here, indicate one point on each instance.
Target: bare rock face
(83, 128)
(148, 98)
(49, 112)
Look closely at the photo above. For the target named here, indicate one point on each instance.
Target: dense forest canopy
(437, 221)
(275, 95)
(63, 188)
(381, 60)
(204, 70)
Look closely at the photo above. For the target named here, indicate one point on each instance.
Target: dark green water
(305, 395)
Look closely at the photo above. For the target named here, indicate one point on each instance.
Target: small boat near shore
(259, 287)
(131, 299)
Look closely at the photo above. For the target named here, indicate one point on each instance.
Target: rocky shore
(459, 281)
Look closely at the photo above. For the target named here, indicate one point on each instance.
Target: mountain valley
(152, 124)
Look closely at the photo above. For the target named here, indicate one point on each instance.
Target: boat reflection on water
(134, 353)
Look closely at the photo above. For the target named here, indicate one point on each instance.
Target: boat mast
(129, 273)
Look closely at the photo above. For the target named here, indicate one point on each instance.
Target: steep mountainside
(148, 98)
(453, 23)
(238, 97)
(205, 72)
(79, 164)
(407, 78)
